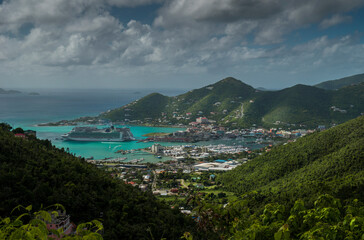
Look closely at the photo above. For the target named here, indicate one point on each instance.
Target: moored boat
(93, 134)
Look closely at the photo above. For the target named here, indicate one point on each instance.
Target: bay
(25, 111)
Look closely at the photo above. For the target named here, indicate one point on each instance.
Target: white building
(156, 148)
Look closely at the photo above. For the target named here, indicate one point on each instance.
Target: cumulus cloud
(272, 19)
(334, 20)
(180, 11)
(13, 14)
(186, 35)
(132, 3)
(322, 52)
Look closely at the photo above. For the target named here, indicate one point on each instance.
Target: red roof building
(21, 135)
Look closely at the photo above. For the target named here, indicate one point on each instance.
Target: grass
(230, 195)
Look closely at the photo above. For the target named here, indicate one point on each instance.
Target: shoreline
(122, 124)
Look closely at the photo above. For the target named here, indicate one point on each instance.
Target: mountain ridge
(232, 102)
(342, 82)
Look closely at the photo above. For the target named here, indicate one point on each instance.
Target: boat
(259, 140)
(93, 134)
(136, 160)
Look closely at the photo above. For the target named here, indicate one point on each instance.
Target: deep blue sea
(24, 110)
(55, 104)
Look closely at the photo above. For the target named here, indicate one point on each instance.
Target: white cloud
(270, 19)
(334, 20)
(132, 3)
(74, 51)
(102, 24)
(13, 14)
(187, 36)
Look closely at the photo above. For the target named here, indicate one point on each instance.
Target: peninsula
(3, 91)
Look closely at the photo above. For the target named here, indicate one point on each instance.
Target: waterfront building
(157, 148)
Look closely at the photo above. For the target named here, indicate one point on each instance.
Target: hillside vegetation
(33, 172)
(149, 106)
(328, 162)
(224, 95)
(232, 102)
(309, 189)
(342, 82)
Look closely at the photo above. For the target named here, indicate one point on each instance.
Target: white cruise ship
(93, 134)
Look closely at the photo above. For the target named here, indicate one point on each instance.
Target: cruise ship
(93, 134)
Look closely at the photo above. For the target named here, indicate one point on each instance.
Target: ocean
(25, 111)
(58, 104)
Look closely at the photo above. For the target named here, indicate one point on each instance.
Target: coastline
(74, 123)
(102, 150)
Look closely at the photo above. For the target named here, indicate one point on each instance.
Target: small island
(3, 91)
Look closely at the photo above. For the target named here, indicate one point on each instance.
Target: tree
(18, 130)
(33, 225)
(5, 126)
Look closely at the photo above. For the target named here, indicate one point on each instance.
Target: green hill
(309, 189)
(149, 106)
(34, 172)
(328, 162)
(232, 102)
(300, 104)
(212, 100)
(226, 94)
(306, 105)
(342, 82)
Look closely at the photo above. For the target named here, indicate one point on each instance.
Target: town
(194, 167)
(204, 130)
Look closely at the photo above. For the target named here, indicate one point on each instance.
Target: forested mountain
(342, 82)
(299, 104)
(309, 189)
(33, 172)
(223, 95)
(149, 106)
(329, 162)
(231, 102)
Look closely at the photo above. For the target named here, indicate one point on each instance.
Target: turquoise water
(100, 150)
(23, 110)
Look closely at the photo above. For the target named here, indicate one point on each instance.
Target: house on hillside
(20, 135)
(202, 120)
(61, 221)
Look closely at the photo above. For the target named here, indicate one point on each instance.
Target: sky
(178, 43)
